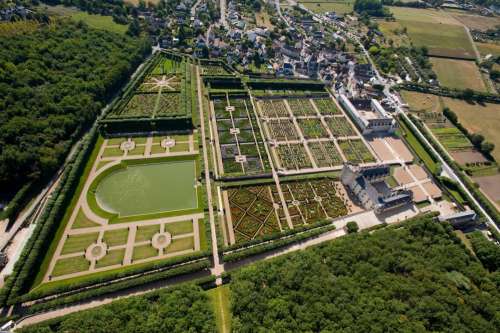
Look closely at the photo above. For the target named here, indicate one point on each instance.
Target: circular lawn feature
(142, 189)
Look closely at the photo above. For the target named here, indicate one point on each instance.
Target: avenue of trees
(183, 309)
(415, 278)
(53, 83)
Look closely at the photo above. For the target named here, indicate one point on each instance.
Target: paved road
(223, 20)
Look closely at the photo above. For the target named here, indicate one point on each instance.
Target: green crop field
(148, 188)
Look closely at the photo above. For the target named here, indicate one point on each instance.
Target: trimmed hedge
(449, 92)
(38, 244)
(17, 203)
(275, 244)
(144, 279)
(124, 273)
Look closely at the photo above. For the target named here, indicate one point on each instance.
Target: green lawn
(82, 221)
(418, 148)
(70, 265)
(181, 244)
(143, 252)
(147, 188)
(115, 237)
(145, 233)
(183, 227)
(114, 257)
(79, 243)
(112, 152)
(221, 305)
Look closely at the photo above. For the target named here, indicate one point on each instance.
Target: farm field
(458, 74)
(439, 32)
(94, 21)
(488, 48)
(421, 102)
(474, 22)
(478, 119)
(124, 211)
(452, 139)
(337, 6)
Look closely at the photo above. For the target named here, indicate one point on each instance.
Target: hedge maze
(240, 145)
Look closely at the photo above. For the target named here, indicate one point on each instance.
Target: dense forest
(418, 278)
(181, 309)
(53, 82)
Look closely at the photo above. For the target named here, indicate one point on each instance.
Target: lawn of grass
(82, 221)
(60, 230)
(180, 147)
(114, 257)
(181, 244)
(157, 149)
(418, 148)
(183, 227)
(138, 150)
(484, 119)
(221, 305)
(143, 252)
(146, 233)
(112, 152)
(393, 31)
(79, 243)
(70, 265)
(458, 74)
(115, 237)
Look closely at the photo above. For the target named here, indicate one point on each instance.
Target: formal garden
(293, 156)
(325, 154)
(240, 145)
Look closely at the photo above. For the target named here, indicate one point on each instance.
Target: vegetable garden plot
(452, 138)
(140, 105)
(312, 128)
(326, 106)
(301, 107)
(282, 130)
(293, 156)
(169, 105)
(253, 212)
(312, 201)
(274, 108)
(325, 154)
(340, 126)
(244, 134)
(355, 151)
